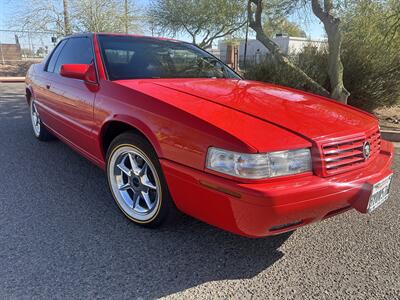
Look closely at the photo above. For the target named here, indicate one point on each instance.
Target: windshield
(134, 57)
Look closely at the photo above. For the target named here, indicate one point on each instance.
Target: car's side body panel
(174, 133)
(66, 107)
(71, 108)
(40, 83)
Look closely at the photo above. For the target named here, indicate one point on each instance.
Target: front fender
(136, 124)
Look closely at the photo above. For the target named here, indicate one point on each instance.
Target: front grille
(348, 154)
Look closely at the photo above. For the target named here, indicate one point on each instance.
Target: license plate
(380, 193)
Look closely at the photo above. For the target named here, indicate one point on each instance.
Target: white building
(256, 50)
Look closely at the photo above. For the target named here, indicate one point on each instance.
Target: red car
(174, 127)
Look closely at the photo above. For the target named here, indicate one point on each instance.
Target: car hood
(308, 115)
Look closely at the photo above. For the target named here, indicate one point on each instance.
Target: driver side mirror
(83, 72)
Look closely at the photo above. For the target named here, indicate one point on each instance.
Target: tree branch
(335, 66)
(317, 9)
(190, 32)
(219, 34)
(255, 23)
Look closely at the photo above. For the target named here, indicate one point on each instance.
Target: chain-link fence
(19, 49)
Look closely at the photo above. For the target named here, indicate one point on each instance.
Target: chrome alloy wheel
(35, 118)
(135, 183)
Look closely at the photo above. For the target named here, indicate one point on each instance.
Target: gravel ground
(61, 236)
(389, 117)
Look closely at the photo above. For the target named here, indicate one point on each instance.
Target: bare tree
(335, 66)
(255, 10)
(104, 16)
(63, 17)
(40, 15)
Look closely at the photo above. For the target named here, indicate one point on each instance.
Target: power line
(27, 31)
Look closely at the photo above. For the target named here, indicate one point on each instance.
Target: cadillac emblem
(366, 150)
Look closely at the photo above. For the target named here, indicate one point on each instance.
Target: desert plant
(371, 58)
(311, 60)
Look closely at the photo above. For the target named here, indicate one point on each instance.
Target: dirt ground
(389, 117)
(18, 69)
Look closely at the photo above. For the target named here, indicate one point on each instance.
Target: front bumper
(276, 206)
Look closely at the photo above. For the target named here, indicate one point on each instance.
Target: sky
(312, 26)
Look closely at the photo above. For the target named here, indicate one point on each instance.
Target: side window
(76, 51)
(53, 58)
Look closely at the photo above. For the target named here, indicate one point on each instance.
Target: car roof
(90, 34)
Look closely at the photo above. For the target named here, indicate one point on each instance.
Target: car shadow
(10, 106)
(62, 235)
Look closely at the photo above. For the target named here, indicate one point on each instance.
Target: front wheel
(136, 180)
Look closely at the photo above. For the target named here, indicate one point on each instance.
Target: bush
(311, 61)
(371, 60)
(371, 56)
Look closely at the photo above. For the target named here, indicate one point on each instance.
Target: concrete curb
(391, 135)
(12, 79)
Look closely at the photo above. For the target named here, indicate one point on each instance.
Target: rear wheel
(136, 180)
(39, 130)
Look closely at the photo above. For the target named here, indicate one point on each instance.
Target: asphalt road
(61, 236)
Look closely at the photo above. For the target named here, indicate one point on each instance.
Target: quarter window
(53, 58)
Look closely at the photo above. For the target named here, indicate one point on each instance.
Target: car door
(42, 82)
(72, 99)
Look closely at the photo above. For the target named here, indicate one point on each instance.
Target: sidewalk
(12, 79)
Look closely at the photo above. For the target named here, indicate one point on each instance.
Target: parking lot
(61, 236)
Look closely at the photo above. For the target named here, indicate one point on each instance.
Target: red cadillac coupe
(173, 127)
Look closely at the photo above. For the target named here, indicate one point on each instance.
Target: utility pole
(245, 46)
(67, 25)
(126, 17)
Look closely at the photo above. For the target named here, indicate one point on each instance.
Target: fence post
(2, 56)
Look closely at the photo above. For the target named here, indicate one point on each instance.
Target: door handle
(48, 86)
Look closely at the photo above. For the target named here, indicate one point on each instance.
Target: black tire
(164, 207)
(39, 129)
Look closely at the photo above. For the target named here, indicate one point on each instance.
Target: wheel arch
(112, 128)
(28, 94)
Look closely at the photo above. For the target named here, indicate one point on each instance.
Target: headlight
(257, 166)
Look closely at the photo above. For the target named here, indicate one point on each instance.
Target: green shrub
(371, 59)
(273, 72)
(311, 61)
(371, 56)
